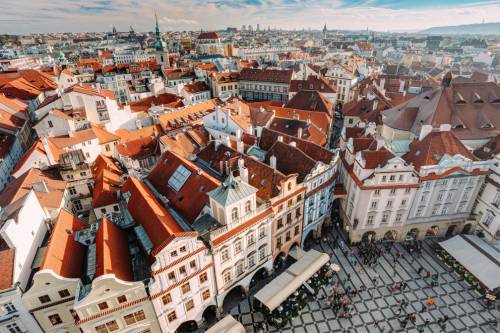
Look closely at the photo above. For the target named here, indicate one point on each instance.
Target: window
(393, 191)
(166, 299)
(177, 180)
(112, 326)
(186, 288)
(288, 236)
(377, 192)
(250, 239)
(227, 277)
(173, 254)
(171, 276)
(298, 213)
(240, 268)
(122, 299)
(392, 178)
(171, 316)
(107, 148)
(385, 216)
(389, 204)
(296, 231)
(72, 190)
(262, 232)
(248, 207)
(398, 217)
(182, 269)
(9, 307)
(407, 190)
(14, 328)
(129, 319)
(192, 264)
(102, 306)
(234, 214)
(280, 224)
(289, 218)
(44, 299)
(488, 218)
(369, 220)
(403, 202)
(290, 203)
(496, 202)
(262, 253)
(278, 242)
(203, 277)
(419, 211)
(444, 210)
(237, 247)
(374, 204)
(384, 178)
(224, 255)
(205, 294)
(251, 260)
(189, 305)
(55, 319)
(182, 249)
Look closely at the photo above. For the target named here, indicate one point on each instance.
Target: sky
(25, 16)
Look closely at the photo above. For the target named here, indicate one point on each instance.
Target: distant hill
(466, 29)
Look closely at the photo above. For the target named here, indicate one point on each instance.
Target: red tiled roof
(166, 100)
(90, 90)
(192, 196)
(7, 263)
(310, 100)
(64, 255)
(112, 252)
(107, 179)
(266, 75)
(139, 148)
(196, 87)
(208, 35)
(160, 226)
(313, 83)
(433, 147)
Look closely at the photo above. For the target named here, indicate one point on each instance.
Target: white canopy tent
(476, 256)
(278, 290)
(227, 325)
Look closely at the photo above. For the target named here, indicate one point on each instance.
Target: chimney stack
(243, 170)
(240, 147)
(272, 162)
(299, 133)
(280, 138)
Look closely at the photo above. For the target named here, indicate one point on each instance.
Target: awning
(477, 257)
(227, 325)
(278, 290)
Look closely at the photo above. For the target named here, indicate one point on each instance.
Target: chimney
(293, 144)
(40, 186)
(299, 133)
(401, 86)
(238, 109)
(272, 162)
(375, 104)
(404, 93)
(243, 170)
(217, 145)
(240, 147)
(250, 129)
(382, 84)
(227, 141)
(426, 129)
(380, 143)
(238, 134)
(280, 138)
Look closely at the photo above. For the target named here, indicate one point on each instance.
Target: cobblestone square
(452, 297)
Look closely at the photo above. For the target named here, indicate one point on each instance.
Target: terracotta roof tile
(112, 252)
(433, 147)
(266, 75)
(167, 100)
(310, 100)
(192, 196)
(64, 255)
(7, 263)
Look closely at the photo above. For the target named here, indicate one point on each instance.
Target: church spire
(159, 41)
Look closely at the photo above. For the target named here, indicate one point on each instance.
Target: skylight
(179, 177)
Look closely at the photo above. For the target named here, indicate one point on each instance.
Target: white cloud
(97, 15)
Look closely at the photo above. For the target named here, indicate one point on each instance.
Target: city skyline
(378, 15)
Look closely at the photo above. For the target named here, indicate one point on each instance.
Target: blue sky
(22, 16)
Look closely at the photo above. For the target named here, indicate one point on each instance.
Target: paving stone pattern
(453, 297)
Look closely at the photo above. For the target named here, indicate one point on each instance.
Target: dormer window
(459, 126)
(234, 214)
(488, 125)
(248, 207)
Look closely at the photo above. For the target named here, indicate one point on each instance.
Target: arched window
(234, 214)
(248, 206)
(290, 186)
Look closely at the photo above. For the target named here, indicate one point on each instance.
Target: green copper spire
(158, 42)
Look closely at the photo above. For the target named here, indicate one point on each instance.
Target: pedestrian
(375, 323)
(423, 308)
(430, 301)
(427, 321)
(420, 269)
(428, 274)
(445, 318)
